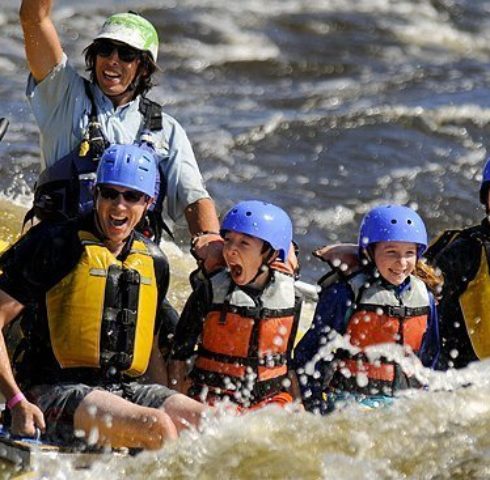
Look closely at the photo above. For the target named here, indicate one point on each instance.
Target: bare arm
(158, 367)
(343, 256)
(207, 244)
(178, 372)
(42, 44)
(25, 415)
(201, 217)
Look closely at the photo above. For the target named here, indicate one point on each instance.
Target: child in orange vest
(243, 319)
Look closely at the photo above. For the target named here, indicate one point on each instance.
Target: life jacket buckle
(127, 317)
(131, 277)
(397, 311)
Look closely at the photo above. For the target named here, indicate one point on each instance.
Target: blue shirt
(61, 109)
(331, 316)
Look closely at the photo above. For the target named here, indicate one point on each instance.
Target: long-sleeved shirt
(331, 318)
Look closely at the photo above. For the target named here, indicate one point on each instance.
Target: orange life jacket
(246, 341)
(381, 316)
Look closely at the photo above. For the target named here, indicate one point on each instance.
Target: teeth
(111, 75)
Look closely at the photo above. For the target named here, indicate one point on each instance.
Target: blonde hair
(431, 276)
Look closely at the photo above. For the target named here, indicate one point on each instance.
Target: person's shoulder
(45, 244)
(46, 232)
(464, 243)
(341, 287)
(152, 248)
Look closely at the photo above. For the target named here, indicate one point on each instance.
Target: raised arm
(207, 244)
(25, 415)
(42, 44)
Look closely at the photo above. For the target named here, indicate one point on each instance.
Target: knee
(160, 429)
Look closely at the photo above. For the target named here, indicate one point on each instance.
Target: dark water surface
(325, 107)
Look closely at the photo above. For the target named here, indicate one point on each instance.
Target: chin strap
(264, 267)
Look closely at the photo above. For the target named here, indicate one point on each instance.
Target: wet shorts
(59, 402)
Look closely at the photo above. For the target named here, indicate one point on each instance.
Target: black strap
(152, 113)
(271, 360)
(88, 92)
(97, 141)
(260, 390)
(398, 311)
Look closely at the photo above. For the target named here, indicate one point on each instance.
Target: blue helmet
(393, 223)
(485, 183)
(261, 220)
(128, 166)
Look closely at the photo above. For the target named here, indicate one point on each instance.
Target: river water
(326, 107)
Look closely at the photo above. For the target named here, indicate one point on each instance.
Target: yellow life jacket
(473, 301)
(102, 314)
(474, 306)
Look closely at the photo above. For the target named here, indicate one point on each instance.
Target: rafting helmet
(129, 166)
(485, 183)
(392, 223)
(261, 220)
(133, 30)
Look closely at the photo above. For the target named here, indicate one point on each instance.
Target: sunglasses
(130, 196)
(124, 52)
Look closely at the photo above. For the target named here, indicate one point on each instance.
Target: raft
(25, 453)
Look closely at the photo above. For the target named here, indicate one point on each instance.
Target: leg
(121, 423)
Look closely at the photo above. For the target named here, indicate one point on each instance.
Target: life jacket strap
(394, 311)
(269, 360)
(152, 114)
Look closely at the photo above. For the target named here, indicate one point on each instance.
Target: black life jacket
(65, 189)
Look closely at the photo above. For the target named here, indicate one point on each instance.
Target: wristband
(196, 237)
(18, 397)
(204, 233)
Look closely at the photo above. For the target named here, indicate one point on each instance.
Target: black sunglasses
(130, 196)
(127, 54)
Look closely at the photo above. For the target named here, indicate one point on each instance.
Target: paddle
(4, 124)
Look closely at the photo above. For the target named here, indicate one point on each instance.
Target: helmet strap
(368, 253)
(264, 266)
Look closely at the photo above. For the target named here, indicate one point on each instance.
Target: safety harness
(381, 316)
(246, 340)
(65, 189)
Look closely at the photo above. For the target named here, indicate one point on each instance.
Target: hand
(290, 266)
(343, 256)
(207, 249)
(26, 417)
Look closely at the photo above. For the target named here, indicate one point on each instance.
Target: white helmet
(133, 30)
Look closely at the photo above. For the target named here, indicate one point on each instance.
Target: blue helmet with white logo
(261, 220)
(393, 223)
(129, 166)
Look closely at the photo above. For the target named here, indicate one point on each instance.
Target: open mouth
(117, 222)
(111, 76)
(235, 270)
(397, 274)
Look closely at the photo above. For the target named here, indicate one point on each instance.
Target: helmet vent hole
(409, 222)
(248, 214)
(393, 221)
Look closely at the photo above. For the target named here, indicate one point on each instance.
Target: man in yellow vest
(97, 288)
(463, 257)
